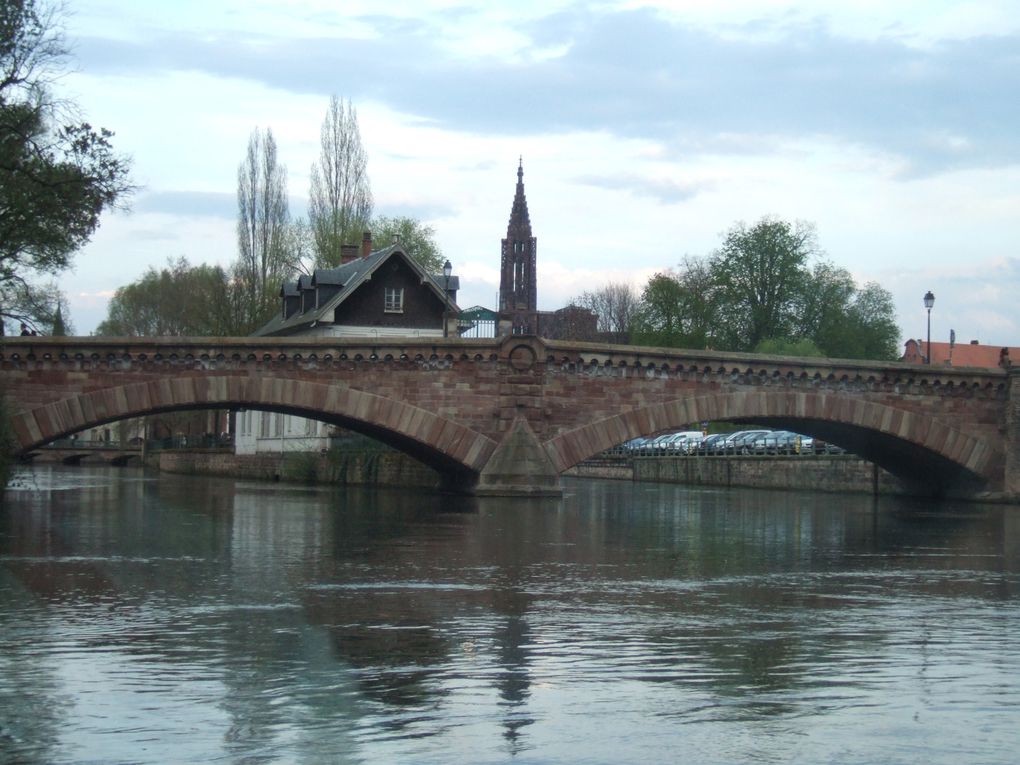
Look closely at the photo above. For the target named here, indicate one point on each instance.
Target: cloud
(213, 204)
(664, 190)
(635, 73)
(975, 298)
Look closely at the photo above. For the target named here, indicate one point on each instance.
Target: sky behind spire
(650, 128)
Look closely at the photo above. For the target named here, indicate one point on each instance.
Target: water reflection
(143, 614)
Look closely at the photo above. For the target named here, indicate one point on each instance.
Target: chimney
(366, 244)
(348, 253)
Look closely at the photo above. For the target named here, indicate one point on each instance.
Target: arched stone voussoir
(440, 435)
(923, 431)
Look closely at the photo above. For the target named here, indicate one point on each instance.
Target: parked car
(634, 445)
(707, 446)
(686, 441)
(734, 442)
(672, 444)
(780, 442)
(654, 446)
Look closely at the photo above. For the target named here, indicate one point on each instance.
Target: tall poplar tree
(340, 202)
(262, 230)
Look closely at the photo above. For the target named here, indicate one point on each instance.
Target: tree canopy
(340, 200)
(418, 240)
(264, 235)
(678, 308)
(761, 270)
(58, 174)
(179, 299)
(767, 290)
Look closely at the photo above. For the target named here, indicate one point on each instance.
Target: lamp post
(929, 301)
(447, 270)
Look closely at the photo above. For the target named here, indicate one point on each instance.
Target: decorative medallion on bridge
(522, 358)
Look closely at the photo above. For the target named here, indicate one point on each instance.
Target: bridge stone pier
(508, 415)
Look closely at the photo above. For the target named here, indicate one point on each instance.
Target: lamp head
(929, 300)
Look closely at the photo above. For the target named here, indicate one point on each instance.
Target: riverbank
(834, 473)
(343, 468)
(843, 473)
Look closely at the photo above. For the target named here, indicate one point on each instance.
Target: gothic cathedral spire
(518, 285)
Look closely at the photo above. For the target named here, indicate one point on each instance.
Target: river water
(150, 618)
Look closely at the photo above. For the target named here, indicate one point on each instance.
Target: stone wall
(836, 474)
(361, 468)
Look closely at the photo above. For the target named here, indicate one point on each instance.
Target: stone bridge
(509, 415)
(70, 453)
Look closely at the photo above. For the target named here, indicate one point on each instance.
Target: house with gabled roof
(381, 293)
(385, 293)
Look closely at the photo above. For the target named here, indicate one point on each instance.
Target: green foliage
(759, 292)
(761, 271)
(870, 331)
(55, 179)
(416, 238)
(179, 299)
(778, 346)
(678, 309)
(301, 467)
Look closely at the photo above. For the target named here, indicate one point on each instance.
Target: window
(393, 299)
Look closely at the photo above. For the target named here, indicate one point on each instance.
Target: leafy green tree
(340, 200)
(784, 347)
(871, 331)
(417, 238)
(180, 299)
(759, 292)
(58, 174)
(760, 272)
(660, 318)
(822, 310)
(679, 309)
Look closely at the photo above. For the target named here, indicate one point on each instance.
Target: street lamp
(447, 270)
(929, 301)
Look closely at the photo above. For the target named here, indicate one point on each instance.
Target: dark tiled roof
(348, 277)
(329, 275)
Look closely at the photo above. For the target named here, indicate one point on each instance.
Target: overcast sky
(647, 130)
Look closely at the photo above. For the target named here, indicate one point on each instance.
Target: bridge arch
(437, 441)
(905, 443)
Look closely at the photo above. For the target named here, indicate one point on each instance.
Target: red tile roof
(959, 355)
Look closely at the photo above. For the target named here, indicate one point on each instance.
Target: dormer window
(393, 300)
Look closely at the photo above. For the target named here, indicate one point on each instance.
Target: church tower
(518, 284)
